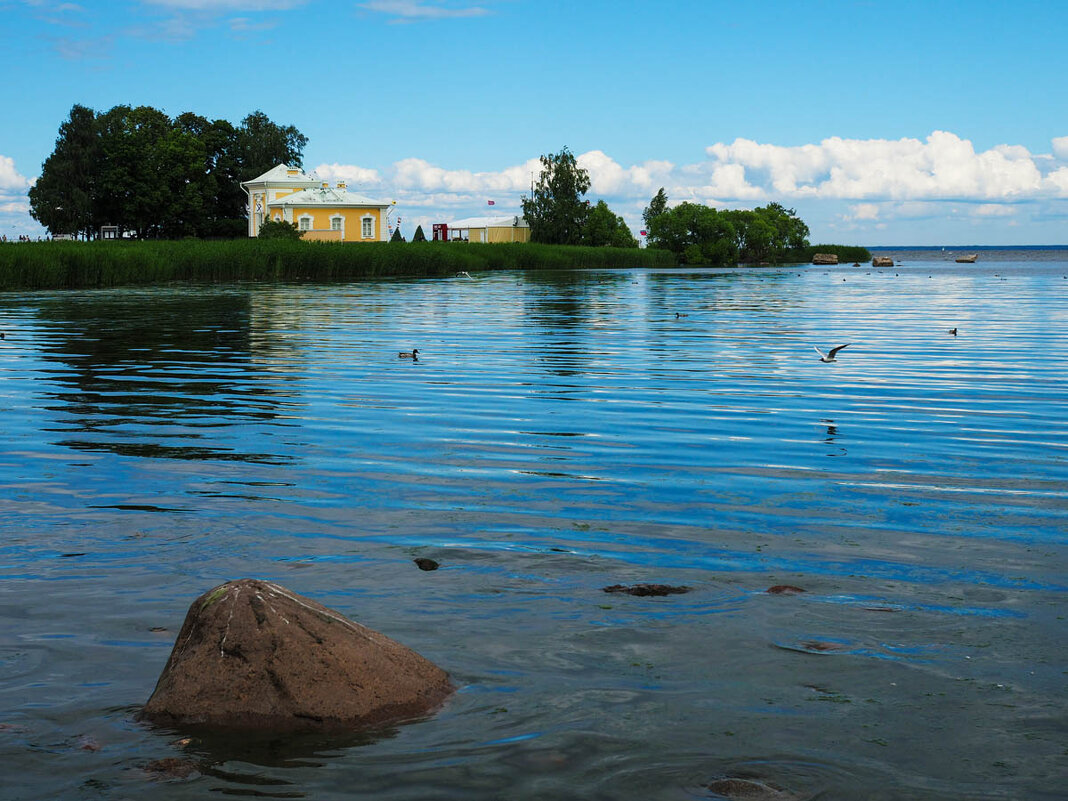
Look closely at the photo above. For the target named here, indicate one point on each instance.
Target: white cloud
(942, 166)
(350, 173)
(417, 174)
(11, 180)
(417, 10)
(864, 211)
(1060, 148)
(1058, 180)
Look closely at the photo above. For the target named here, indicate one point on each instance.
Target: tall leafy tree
(419, 236)
(556, 212)
(62, 198)
(605, 228)
(657, 206)
(263, 144)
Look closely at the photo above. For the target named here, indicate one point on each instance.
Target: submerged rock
(646, 589)
(254, 655)
(426, 564)
(784, 589)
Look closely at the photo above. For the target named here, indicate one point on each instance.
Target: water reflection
(158, 374)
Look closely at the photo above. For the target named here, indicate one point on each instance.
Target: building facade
(484, 229)
(321, 212)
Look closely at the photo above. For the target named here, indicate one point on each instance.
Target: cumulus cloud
(11, 180)
(1060, 148)
(942, 166)
(419, 10)
(864, 211)
(350, 173)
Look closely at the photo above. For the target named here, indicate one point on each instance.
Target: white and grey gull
(829, 356)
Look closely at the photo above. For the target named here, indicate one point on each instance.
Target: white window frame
(367, 227)
(304, 218)
(337, 223)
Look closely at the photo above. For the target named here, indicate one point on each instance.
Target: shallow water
(561, 432)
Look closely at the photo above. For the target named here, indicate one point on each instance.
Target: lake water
(561, 432)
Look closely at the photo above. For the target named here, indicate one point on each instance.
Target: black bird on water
(953, 331)
(414, 355)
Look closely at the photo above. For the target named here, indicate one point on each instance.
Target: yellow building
(489, 229)
(323, 213)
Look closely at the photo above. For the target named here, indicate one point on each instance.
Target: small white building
(488, 229)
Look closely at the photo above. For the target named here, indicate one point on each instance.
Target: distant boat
(969, 259)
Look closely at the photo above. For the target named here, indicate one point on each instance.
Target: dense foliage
(156, 177)
(605, 228)
(698, 234)
(279, 229)
(558, 215)
(419, 236)
(75, 265)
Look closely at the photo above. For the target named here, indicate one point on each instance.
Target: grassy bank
(76, 265)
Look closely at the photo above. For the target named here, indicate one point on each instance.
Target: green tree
(696, 234)
(396, 235)
(604, 228)
(657, 206)
(280, 229)
(557, 213)
(263, 144)
(419, 236)
(62, 198)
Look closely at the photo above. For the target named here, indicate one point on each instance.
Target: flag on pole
(642, 233)
(491, 203)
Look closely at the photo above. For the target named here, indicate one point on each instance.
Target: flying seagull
(829, 357)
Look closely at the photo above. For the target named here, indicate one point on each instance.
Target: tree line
(156, 177)
(693, 232)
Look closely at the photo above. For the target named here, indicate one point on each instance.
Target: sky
(903, 123)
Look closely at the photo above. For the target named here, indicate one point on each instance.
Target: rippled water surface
(561, 432)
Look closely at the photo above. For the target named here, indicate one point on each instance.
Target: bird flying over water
(829, 357)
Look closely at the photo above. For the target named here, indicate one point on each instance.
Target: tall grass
(76, 265)
(845, 253)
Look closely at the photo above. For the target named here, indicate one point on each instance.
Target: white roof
(326, 196)
(280, 175)
(489, 222)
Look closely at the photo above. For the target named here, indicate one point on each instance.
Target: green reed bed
(75, 265)
(845, 253)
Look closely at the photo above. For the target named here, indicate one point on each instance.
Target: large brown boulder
(254, 655)
(824, 258)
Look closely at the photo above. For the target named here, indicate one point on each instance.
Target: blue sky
(881, 123)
